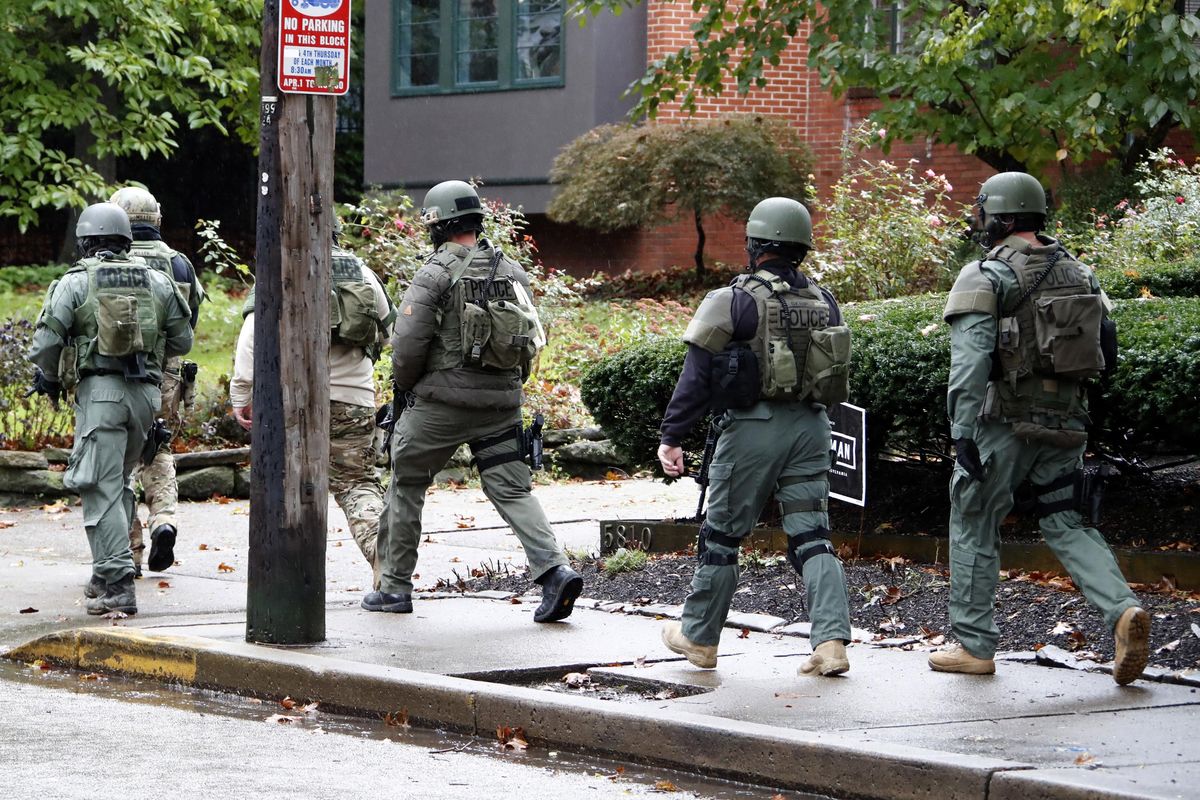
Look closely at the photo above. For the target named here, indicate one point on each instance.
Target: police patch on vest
(475, 291)
(347, 269)
(122, 278)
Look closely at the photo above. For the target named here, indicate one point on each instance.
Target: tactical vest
(801, 357)
(120, 317)
(1049, 341)
(158, 255)
(490, 321)
(353, 319)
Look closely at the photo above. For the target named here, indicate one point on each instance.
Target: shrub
(1172, 279)
(29, 279)
(901, 360)
(888, 230)
(628, 393)
(1084, 197)
(625, 561)
(27, 423)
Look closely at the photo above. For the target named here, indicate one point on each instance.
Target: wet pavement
(1031, 730)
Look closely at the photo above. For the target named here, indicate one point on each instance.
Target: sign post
(300, 61)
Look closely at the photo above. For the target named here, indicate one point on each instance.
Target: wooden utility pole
(289, 458)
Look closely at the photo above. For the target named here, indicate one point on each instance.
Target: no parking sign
(314, 46)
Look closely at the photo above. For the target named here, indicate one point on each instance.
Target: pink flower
(882, 133)
(934, 221)
(1179, 200)
(930, 173)
(1122, 205)
(399, 224)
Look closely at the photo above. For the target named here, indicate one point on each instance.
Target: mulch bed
(894, 598)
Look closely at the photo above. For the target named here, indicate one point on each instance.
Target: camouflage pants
(158, 479)
(353, 477)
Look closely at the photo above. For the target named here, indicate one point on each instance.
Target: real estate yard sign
(314, 46)
(848, 475)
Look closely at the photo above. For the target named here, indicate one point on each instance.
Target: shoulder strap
(1059, 253)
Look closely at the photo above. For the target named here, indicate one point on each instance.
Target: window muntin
(446, 46)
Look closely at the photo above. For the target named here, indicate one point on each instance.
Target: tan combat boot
(702, 655)
(955, 658)
(829, 658)
(1132, 633)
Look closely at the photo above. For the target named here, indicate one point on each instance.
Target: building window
(889, 25)
(443, 46)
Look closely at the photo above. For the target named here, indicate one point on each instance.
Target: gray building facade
(489, 89)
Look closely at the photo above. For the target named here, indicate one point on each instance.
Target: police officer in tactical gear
(465, 336)
(766, 355)
(158, 478)
(1026, 328)
(361, 316)
(105, 330)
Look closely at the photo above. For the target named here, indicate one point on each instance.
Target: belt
(90, 373)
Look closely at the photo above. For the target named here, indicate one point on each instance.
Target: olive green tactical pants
(112, 419)
(976, 511)
(426, 436)
(765, 449)
(158, 479)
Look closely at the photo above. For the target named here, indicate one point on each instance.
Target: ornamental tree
(619, 176)
(84, 82)
(1022, 84)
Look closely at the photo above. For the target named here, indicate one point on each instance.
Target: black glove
(966, 453)
(43, 385)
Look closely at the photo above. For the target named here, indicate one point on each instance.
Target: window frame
(507, 64)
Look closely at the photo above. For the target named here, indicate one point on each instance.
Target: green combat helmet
(103, 219)
(450, 200)
(780, 219)
(1012, 193)
(139, 204)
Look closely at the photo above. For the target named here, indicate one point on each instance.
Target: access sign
(314, 46)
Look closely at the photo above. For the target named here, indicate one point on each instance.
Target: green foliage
(1083, 197)
(625, 561)
(1023, 84)
(90, 80)
(888, 230)
(618, 176)
(29, 279)
(1172, 279)
(217, 255)
(628, 393)
(1152, 396)
(26, 423)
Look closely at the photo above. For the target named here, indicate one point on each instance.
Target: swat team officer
(1025, 333)
(106, 328)
(361, 316)
(465, 336)
(158, 478)
(770, 352)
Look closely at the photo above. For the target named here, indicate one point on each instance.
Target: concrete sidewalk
(888, 729)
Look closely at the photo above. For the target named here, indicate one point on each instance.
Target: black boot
(118, 596)
(560, 586)
(162, 548)
(382, 601)
(95, 587)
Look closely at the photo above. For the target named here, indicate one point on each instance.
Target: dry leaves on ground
(223, 567)
(396, 719)
(511, 738)
(7, 524)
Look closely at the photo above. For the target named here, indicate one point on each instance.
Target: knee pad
(705, 556)
(1045, 508)
(796, 544)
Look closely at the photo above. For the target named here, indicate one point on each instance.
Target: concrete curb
(825, 763)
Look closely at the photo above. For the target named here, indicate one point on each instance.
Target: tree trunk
(106, 166)
(699, 243)
(289, 454)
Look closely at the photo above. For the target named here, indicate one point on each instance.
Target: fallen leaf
(203, 547)
(223, 567)
(220, 499)
(1061, 628)
(455, 560)
(1076, 640)
(282, 719)
(5, 524)
(1167, 648)
(398, 719)
(57, 507)
(310, 706)
(511, 738)
(665, 786)
(745, 634)
(288, 703)
(1084, 758)
(892, 596)
(576, 679)
(30, 610)
(40, 663)
(164, 585)
(91, 676)
(516, 601)
(463, 521)
(241, 511)
(616, 776)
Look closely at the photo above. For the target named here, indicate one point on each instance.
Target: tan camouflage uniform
(158, 479)
(353, 477)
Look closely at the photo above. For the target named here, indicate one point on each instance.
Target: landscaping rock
(202, 484)
(57, 455)
(32, 481)
(562, 436)
(211, 458)
(241, 482)
(601, 453)
(17, 459)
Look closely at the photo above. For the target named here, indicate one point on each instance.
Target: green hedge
(900, 365)
(1177, 279)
